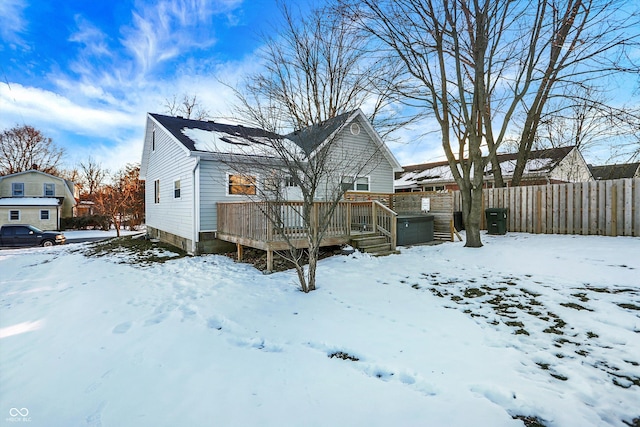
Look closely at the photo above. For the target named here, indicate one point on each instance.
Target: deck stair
(374, 244)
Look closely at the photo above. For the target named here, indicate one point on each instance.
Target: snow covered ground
(528, 325)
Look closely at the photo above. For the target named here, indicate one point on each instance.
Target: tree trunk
(301, 277)
(313, 263)
(474, 219)
(116, 224)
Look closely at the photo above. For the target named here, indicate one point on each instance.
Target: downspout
(196, 206)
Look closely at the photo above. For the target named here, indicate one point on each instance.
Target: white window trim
(174, 189)
(13, 185)
(48, 214)
(44, 189)
(354, 186)
(156, 192)
(19, 214)
(226, 184)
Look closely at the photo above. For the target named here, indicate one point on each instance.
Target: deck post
(348, 219)
(394, 232)
(269, 260)
(374, 217)
(240, 251)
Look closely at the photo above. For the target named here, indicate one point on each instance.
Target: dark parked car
(28, 235)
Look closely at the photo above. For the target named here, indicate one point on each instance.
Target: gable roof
(311, 137)
(620, 171)
(540, 162)
(210, 137)
(68, 185)
(186, 131)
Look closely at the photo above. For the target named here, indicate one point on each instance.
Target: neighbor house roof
(620, 171)
(68, 185)
(540, 163)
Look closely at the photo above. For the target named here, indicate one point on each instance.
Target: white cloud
(162, 30)
(91, 37)
(12, 21)
(44, 106)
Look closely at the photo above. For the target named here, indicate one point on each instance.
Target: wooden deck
(272, 226)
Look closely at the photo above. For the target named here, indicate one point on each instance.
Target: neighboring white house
(549, 166)
(36, 198)
(190, 165)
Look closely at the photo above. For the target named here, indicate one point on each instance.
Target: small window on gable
(153, 139)
(176, 189)
(156, 191)
(44, 214)
(238, 184)
(17, 189)
(14, 215)
(49, 189)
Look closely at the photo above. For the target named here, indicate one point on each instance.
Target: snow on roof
(29, 201)
(532, 166)
(225, 143)
(540, 162)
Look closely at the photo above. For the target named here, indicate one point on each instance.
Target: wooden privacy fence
(610, 208)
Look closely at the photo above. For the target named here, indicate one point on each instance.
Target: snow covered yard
(527, 326)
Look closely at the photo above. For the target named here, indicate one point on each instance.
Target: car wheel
(47, 243)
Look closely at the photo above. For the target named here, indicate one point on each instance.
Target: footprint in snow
(122, 328)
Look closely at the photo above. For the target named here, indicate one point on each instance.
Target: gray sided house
(189, 166)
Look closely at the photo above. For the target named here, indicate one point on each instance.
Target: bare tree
(316, 66)
(303, 179)
(476, 65)
(187, 106)
(316, 73)
(92, 176)
(588, 121)
(24, 147)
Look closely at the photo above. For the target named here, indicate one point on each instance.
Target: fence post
(614, 210)
(539, 211)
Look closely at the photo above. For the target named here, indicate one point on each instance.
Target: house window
(176, 189)
(153, 139)
(156, 191)
(241, 185)
(362, 183)
(357, 183)
(44, 214)
(49, 190)
(289, 181)
(14, 215)
(17, 189)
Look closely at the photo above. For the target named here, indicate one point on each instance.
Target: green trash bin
(496, 220)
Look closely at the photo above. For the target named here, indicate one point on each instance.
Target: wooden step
(363, 242)
(374, 249)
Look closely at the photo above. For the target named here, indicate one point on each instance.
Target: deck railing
(278, 221)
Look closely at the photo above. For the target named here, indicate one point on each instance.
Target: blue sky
(87, 72)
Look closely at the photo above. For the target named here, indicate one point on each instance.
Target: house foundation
(208, 244)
